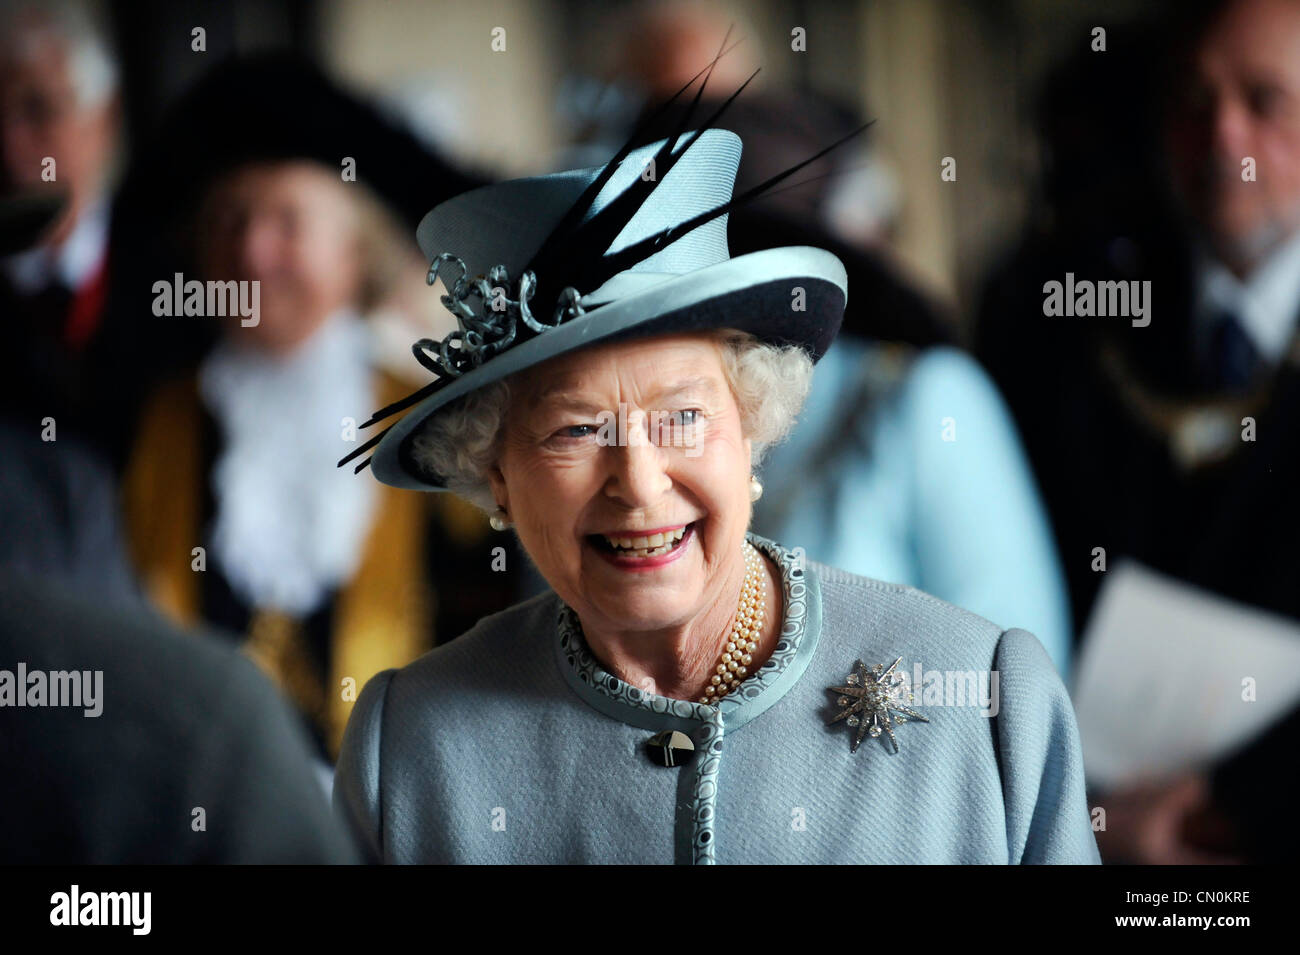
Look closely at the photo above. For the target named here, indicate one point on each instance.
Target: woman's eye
(577, 431)
(678, 427)
(682, 419)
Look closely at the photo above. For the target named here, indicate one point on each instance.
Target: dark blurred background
(942, 77)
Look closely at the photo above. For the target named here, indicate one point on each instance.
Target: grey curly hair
(769, 382)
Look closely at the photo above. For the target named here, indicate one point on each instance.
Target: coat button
(670, 748)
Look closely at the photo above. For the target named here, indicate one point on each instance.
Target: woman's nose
(638, 467)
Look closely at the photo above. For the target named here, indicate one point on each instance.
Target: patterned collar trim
(796, 644)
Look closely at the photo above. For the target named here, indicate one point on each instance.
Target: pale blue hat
(542, 266)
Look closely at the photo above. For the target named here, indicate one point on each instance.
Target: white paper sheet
(1163, 678)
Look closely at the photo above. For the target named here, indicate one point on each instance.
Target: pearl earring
(755, 488)
(499, 519)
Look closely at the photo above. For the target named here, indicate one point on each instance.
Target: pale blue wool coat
(512, 745)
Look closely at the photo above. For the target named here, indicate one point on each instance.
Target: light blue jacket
(906, 466)
(511, 744)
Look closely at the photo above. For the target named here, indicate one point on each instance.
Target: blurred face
(1241, 100)
(577, 500)
(292, 226)
(41, 116)
(672, 42)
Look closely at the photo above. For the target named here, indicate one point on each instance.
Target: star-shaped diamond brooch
(869, 697)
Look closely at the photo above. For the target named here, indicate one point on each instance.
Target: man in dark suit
(59, 130)
(1170, 438)
(82, 347)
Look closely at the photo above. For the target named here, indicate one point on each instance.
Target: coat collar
(800, 630)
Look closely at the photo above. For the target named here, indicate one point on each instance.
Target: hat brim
(757, 293)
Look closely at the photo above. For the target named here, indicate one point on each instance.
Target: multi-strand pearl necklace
(742, 642)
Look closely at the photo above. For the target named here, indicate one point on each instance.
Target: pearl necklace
(742, 642)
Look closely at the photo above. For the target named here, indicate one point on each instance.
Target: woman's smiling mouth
(641, 548)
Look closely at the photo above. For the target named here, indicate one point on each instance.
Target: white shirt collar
(1267, 303)
(72, 264)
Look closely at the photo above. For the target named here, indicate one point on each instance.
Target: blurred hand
(1171, 822)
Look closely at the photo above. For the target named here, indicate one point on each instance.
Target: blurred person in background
(60, 135)
(1137, 432)
(190, 755)
(872, 479)
(81, 352)
(330, 579)
(58, 500)
(176, 750)
(59, 416)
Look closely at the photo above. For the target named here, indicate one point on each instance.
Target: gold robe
(383, 616)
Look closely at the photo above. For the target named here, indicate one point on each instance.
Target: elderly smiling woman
(685, 691)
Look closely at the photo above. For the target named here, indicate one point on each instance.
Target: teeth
(651, 546)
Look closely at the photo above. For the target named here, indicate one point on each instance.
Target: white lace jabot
(289, 525)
